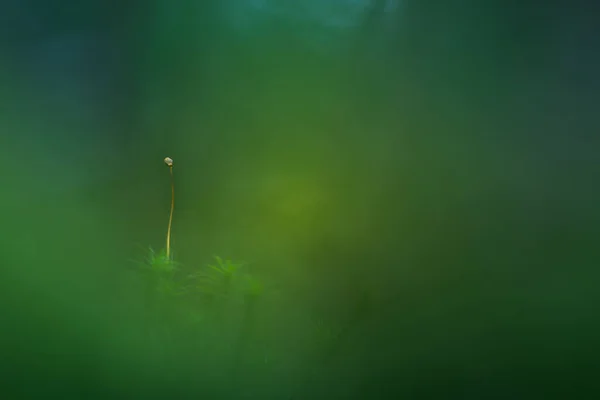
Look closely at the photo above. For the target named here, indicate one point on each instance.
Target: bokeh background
(438, 159)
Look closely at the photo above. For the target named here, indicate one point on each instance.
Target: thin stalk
(169, 163)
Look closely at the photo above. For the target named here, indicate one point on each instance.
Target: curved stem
(171, 213)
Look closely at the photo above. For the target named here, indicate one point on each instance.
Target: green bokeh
(411, 226)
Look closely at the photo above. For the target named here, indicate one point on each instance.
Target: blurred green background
(413, 184)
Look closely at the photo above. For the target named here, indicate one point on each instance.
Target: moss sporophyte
(199, 288)
(169, 163)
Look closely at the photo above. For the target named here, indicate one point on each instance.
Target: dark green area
(408, 195)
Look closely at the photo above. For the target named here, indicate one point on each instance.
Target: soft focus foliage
(404, 194)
